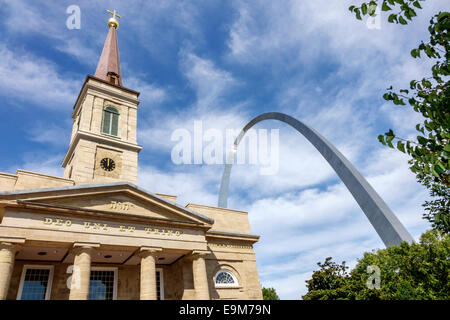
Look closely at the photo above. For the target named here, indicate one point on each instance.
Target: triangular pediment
(116, 198)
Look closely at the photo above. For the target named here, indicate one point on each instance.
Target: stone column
(148, 272)
(200, 276)
(79, 289)
(7, 256)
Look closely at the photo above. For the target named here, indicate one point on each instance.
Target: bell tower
(103, 145)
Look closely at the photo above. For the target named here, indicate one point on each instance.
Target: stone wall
(177, 279)
(224, 219)
(24, 180)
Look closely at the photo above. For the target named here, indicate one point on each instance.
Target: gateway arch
(386, 224)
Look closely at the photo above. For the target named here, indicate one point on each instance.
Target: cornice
(98, 138)
(87, 85)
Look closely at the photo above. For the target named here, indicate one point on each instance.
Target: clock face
(107, 164)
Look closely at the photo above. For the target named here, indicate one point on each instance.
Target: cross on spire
(113, 13)
(113, 22)
(108, 67)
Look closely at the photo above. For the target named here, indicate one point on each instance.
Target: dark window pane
(115, 125)
(158, 285)
(106, 122)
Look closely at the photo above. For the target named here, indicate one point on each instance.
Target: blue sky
(224, 62)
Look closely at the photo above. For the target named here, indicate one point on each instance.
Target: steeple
(103, 145)
(108, 67)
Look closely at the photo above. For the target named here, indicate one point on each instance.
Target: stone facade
(120, 226)
(94, 234)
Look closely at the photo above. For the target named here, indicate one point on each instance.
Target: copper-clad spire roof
(108, 67)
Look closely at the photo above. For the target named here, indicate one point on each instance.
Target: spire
(108, 67)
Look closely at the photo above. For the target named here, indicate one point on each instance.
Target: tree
(430, 153)
(269, 294)
(330, 282)
(406, 272)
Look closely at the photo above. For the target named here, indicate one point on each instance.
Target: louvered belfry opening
(113, 78)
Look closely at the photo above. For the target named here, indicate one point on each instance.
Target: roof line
(112, 184)
(115, 214)
(247, 235)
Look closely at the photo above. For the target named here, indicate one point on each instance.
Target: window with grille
(36, 283)
(225, 278)
(110, 124)
(158, 285)
(102, 285)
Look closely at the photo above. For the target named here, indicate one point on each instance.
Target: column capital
(15, 247)
(146, 251)
(84, 247)
(200, 253)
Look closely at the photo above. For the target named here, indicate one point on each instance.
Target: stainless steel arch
(386, 224)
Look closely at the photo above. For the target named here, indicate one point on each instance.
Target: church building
(94, 234)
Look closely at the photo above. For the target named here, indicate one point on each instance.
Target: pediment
(123, 199)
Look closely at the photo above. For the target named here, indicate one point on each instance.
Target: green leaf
(381, 139)
(429, 51)
(401, 146)
(445, 155)
(422, 140)
(358, 14)
(402, 20)
(389, 141)
(440, 167)
(415, 53)
(437, 170)
(417, 4)
(418, 128)
(392, 18)
(426, 83)
(364, 8)
(385, 7)
(372, 9)
(443, 15)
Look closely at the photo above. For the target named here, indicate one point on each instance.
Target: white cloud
(211, 86)
(191, 185)
(51, 134)
(40, 162)
(209, 82)
(150, 94)
(84, 54)
(29, 78)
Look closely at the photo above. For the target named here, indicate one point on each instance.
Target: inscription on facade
(227, 245)
(121, 206)
(95, 226)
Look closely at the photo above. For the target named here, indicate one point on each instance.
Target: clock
(107, 164)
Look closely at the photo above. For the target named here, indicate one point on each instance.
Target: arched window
(110, 124)
(225, 278)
